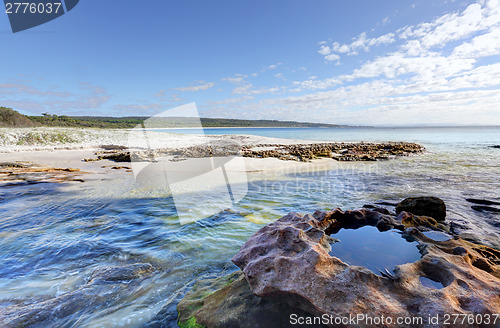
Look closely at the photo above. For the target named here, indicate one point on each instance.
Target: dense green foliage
(11, 118)
(86, 121)
(162, 122)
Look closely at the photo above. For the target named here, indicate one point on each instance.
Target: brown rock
(228, 302)
(289, 261)
(426, 206)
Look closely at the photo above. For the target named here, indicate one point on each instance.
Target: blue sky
(351, 62)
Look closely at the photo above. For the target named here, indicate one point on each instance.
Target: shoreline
(62, 138)
(255, 156)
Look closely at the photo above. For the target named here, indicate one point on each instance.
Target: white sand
(44, 138)
(50, 147)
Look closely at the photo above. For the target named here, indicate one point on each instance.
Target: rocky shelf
(340, 151)
(287, 269)
(22, 173)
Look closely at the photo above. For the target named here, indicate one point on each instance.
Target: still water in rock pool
(106, 253)
(372, 249)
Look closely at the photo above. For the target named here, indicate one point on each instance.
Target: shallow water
(437, 236)
(429, 283)
(52, 237)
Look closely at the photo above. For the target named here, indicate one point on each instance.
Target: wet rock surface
(21, 173)
(228, 302)
(289, 262)
(484, 205)
(296, 152)
(481, 208)
(428, 206)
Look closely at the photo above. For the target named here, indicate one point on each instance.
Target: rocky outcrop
(228, 302)
(21, 173)
(289, 262)
(338, 151)
(296, 152)
(428, 206)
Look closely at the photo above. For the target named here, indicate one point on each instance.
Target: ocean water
(53, 237)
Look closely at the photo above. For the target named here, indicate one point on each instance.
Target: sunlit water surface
(52, 237)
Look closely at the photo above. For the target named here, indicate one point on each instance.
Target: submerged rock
(484, 205)
(427, 206)
(480, 208)
(482, 201)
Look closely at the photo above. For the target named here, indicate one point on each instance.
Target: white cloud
(396, 64)
(384, 39)
(332, 57)
(236, 79)
(454, 26)
(324, 50)
(361, 42)
(203, 86)
(280, 76)
(247, 89)
(230, 100)
(86, 97)
(413, 48)
(271, 67)
(481, 46)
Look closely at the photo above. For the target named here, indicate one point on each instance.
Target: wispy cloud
(26, 96)
(236, 79)
(361, 42)
(202, 86)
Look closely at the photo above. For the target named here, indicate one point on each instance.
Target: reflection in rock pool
(373, 249)
(437, 236)
(429, 283)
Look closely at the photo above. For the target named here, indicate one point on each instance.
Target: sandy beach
(91, 151)
(47, 150)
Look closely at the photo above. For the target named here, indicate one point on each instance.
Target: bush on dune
(11, 118)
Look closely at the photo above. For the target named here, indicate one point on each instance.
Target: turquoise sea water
(53, 237)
